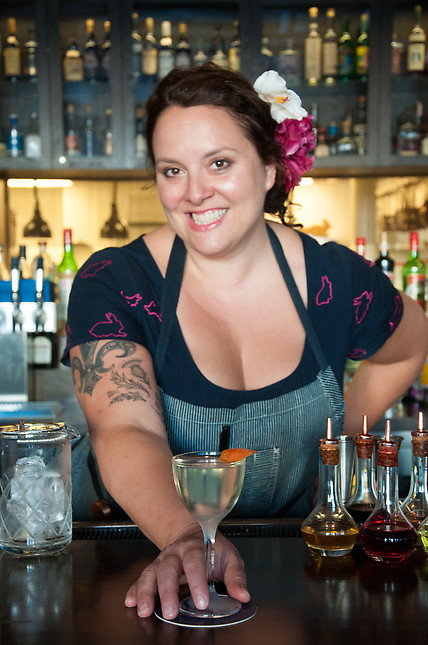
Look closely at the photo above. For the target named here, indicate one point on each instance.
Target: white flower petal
(284, 103)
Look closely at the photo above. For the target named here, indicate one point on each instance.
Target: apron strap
(171, 293)
(297, 299)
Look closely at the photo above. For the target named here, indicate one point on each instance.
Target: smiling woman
(215, 321)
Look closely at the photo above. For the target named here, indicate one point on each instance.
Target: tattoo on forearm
(127, 375)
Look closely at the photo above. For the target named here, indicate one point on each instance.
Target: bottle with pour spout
(387, 536)
(329, 530)
(363, 500)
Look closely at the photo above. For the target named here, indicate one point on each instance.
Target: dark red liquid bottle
(387, 536)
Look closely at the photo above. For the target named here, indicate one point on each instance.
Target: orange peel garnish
(236, 454)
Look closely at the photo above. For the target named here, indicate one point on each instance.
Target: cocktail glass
(209, 488)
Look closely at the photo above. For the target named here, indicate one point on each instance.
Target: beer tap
(15, 275)
(39, 314)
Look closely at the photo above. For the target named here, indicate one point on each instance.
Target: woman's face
(210, 178)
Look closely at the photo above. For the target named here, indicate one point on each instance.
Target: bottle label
(73, 69)
(313, 59)
(235, 59)
(150, 62)
(33, 146)
(12, 61)
(362, 59)
(416, 57)
(344, 61)
(166, 62)
(90, 64)
(329, 61)
(41, 353)
(415, 287)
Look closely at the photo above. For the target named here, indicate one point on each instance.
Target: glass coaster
(182, 620)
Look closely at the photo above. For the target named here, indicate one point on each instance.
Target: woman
(218, 321)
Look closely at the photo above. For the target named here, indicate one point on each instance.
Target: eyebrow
(211, 153)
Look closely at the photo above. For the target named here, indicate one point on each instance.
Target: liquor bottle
(166, 58)
(329, 530)
(362, 49)
(415, 505)
(313, 45)
(414, 271)
(322, 149)
(359, 127)
(14, 145)
(235, 48)
(329, 50)
(73, 63)
(108, 134)
(49, 266)
(91, 59)
(183, 51)
(33, 140)
(332, 137)
(345, 53)
(72, 139)
(387, 536)
(140, 137)
(137, 48)
(42, 345)
(11, 52)
(29, 56)
(397, 53)
(363, 500)
(66, 272)
(218, 48)
(360, 244)
(266, 55)
(289, 64)
(149, 51)
(89, 135)
(105, 62)
(384, 261)
(408, 138)
(416, 44)
(346, 144)
(200, 57)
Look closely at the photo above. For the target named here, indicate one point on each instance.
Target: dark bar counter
(77, 597)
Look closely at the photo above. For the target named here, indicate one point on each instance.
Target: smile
(208, 217)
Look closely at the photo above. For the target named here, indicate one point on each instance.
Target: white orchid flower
(284, 103)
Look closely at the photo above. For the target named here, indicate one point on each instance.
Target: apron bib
(285, 430)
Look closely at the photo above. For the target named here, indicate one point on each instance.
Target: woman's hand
(184, 561)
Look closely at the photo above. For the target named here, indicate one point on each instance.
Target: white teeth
(208, 217)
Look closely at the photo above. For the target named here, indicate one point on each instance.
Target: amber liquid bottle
(329, 530)
(387, 536)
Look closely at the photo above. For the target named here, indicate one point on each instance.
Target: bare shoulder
(159, 242)
(292, 245)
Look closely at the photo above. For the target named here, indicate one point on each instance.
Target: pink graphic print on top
(325, 294)
(107, 328)
(93, 269)
(398, 308)
(362, 305)
(152, 310)
(132, 300)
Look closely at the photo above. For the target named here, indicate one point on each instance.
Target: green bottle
(345, 53)
(362, 49)
(66, 271)
(414, 272)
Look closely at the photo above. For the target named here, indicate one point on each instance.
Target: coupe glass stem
(209, 532)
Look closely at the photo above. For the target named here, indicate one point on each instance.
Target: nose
(198, 188)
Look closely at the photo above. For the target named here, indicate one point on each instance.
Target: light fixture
(37, 227)
(39, 183)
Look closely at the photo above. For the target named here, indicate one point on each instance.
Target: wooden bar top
(77, 597)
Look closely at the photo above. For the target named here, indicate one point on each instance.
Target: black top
(117, 294)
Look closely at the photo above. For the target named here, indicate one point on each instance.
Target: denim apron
(285, 430)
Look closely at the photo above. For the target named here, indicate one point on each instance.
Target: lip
(205, 227)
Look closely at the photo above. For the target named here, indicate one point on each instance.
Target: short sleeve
(376, 306)
(111, 298)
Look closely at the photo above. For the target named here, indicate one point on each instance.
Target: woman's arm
(380, 380)
(117, 390)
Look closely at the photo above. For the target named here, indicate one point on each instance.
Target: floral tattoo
(127, 375)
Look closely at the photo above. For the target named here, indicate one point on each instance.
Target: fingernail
(142, 609)
(168, 611)
(200, 602)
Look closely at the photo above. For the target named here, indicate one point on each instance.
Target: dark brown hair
(220, 87)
